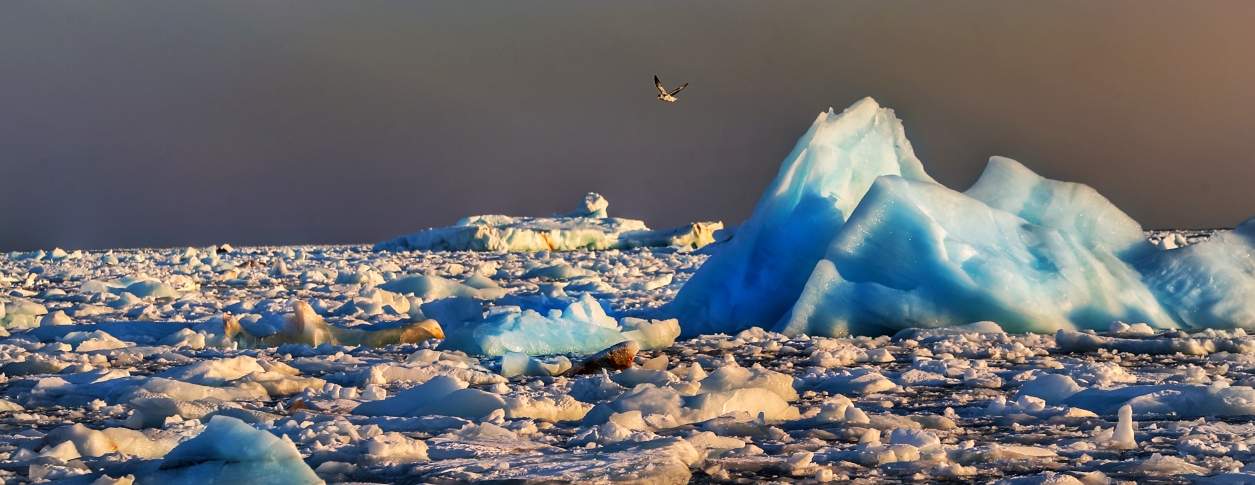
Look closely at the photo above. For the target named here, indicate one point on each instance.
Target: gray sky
(160, 123)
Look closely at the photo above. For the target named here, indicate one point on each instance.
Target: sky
(164, 124)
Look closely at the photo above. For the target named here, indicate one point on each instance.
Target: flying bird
(665, 96)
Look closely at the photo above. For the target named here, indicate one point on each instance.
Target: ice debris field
(865, 325)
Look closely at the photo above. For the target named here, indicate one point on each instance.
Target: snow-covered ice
(120, 390)
(588, 227)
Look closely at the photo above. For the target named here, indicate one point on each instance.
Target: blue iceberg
(919, 255)
(758, 275)
(853, 237)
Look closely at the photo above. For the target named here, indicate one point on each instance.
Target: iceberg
(853, 238)
(589, 227)
(919, 255)
(758, 276)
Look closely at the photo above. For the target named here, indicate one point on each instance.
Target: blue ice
(581, 327)
(919, 255)
(853, 237)
(758, 275)
(1209, 284)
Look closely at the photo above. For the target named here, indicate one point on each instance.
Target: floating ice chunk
(1071, 341)
(1053, 388)
(1185, 400)
(1123, 437)
(580, 328)
(94, 340)
(147, 287)
(406, 402)
(1122, 329)
(1158, 464)
(559, 408)
(651, 400)
(463, 403)
(214, 372)
(923, 333)
(90, 442)
(916, 254)
(731, 377)
(857, 382)
(558, 271)
(652, 335)
(304, 326)
(1043, 478)
(587, 228)
(661, 461)
(231, 452)
(431, 287)
(517, 364)
(56, 318)
(395, 448)
(757, 275)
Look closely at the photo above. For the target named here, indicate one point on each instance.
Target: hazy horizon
(160, 124)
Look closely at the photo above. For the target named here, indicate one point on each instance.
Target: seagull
(665, 96)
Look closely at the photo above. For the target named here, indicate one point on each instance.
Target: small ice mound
(858, 381)
(432, 287)
(582, 327)
(407, 402)
(1158, 465)
(55, 318)
(214, 372)
(652, 334)
(1043, 478)
(394, 448)
(731, 377)
(924, 333)
(1052, 388)
(1121, 329)
(1123, 438)
(94, 340)
(517, 364)
(90, 442)
(592, 205)
(664, 401)
(230, 452)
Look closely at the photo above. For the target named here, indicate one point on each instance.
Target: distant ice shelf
(588, 227)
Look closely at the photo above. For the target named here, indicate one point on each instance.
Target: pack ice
(588, 227)
(853, 238)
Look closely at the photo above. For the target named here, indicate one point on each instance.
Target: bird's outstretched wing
(659, 84)
(676, 89)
